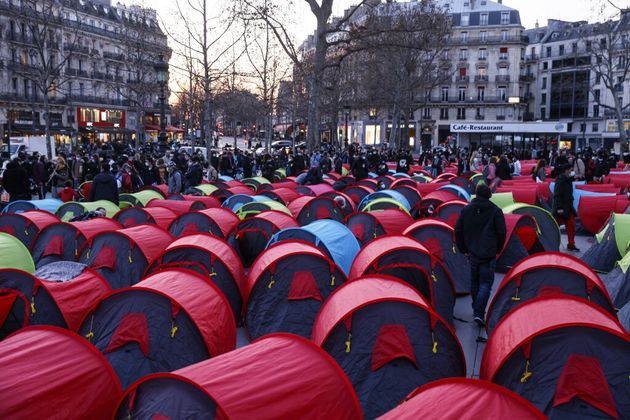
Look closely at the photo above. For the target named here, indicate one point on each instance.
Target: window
(598, 78)
(462, 71)
(596, 95)
(461, 113)
(543, 99)
(505, 18)
(444, 113)
(483, 36)
(595, 127)
(569, 127)
(620, 99)
(546, 65)
(481, 93)
(445, 94)
(81, 89)
(582, 127)
(465, 19)
(503, 53)
(621, 62)
(463, 54)
(574, 47)
(80, 65)
(500, 113)
(544, 83)
(26, 88)
(548, 52)
(504, 35)
(14, 84)
(464, 36)
(480, 114)
(502, 93)
(12, 29)
(426, 113)
(561, 50)
(446, 54)
(595, 111)
(483, 19)
(483, 54)
(461, 95)
(543, 113)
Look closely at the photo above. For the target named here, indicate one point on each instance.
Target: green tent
(503, 200)
(13, 254)
(621, 225)
(279, 174)
(344, 171)
(140, 199)
(384, 204)
(548, 229)
(256, 207)
(206, 189)
(74, 208)
(255, 182)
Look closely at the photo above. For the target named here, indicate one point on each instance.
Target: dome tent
(211, 257)
(73, 209)
(178, 207)
(611, 244)
(545, 273)
(521, 240)
(387, 339)
(251, 236)
(13, 254)
(237, 201)
(449, 211)
(567, 357)
(122, 256)
(439, 238)
(332, 237)
(256, 207)
(285, 288)
(460, 398)
(30, 300)
(134, 216)
(219, 222)
(66, 374)
(548, 230)
(391, 194)
(141, 198)
(594, 211)
(368, 226)
(49, 204)
(618, 282)
(257, 389)
(408, 260)
(62, 241)
(357, 192)
(25, 226)
(306, 210)
(161, 324)
(379, 204)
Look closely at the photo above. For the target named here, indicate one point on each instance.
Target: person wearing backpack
(174, 179)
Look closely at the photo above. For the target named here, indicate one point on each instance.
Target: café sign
(510, 128)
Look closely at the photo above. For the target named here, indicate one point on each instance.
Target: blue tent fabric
(395, 195)
(577, 194)
(337, 239)
(226, 178)
(462, 193)
(50, 205)
(401, 175)
(239, 200)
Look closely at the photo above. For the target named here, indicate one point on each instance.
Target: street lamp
(372, 115)
(346, 112)
(161, 73)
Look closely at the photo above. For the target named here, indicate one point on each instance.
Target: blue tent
(50, 205)
(461, 192)
(577, 194)
(330, 236)
(239, 200)
(226, 178)
(401, 175)
(395, 195)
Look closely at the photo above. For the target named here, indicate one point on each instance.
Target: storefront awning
(173, 129)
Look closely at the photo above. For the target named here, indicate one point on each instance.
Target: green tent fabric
(621, 224)
(624, 263)
(255, 181)
(344, 171)
(382, 204)
(503, 200)
(206, 189)
(141, 198)
(256, 207)
(13, 254)
(74, 208)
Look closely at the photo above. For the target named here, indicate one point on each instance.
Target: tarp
(65, 372)
(272, 366)
(463, 398)
(337, 239)
(13, 254)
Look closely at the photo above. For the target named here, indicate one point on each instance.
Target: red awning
(151, 127)
(173, 129)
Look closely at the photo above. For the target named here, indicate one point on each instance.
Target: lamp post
(346, 112)
(372, 116)
(161, 72)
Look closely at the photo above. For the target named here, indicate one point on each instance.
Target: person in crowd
(563, 209)
(149, 172)
(162, 172)
(68, 193)
(579, 167)
(503, 169)
(104, 186)
(516, 165)
(40, 175)
(475, 161)
(174, 179)
(194, 173)
(490, 170)
(539, 174)
(360, 167)
(480, 233)
(15, 181)
(60, 175)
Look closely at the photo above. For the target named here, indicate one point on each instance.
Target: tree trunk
(623, 138)
(139, 128)
(319, 63)
(47, 126)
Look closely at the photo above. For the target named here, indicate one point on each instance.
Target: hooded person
(104, 186)
(480, 234)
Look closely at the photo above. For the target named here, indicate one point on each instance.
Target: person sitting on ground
(99, 212)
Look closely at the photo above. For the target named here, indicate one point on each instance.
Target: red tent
(208, 202)
(280, 376)
(220, 222)
(462, 398)
(284, 195)
(366, 226)
(525, 194)
(449, 212)
(25, 226)
(594, 211)
(308, 209)
(176, 206)
(48, 371)
(134, 216)
(600, 188)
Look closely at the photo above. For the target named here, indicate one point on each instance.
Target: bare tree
(44, 62)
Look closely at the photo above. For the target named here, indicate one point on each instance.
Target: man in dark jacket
(104, 186)
(480, 233)
(563, 209)
(15, 181)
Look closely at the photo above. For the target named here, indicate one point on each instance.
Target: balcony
(22, 68)
(484, 59)
(462, 79)
(532, 58)
(77, 49)
(502, 78)
(526, 78)
(481, 79)
(504, 57)
(90, 99)
(480, 117)
(463, 58)
(486, 40)
(113, 56)
(500, 117)
(20, 38)
(98, 75)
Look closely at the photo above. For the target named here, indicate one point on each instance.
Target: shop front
(102, 125)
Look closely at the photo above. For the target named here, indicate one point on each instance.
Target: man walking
(480, 233)
(563, 209)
